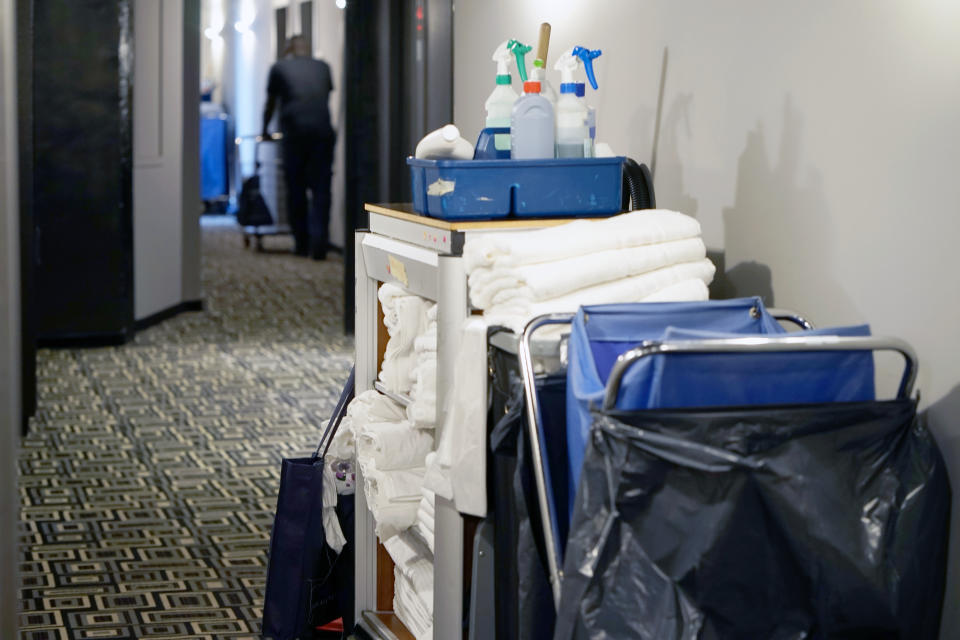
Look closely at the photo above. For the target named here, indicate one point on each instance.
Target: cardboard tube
(544, 43)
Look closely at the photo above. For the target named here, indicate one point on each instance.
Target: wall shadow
(780, 216)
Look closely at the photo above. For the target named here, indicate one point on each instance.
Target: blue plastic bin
(485, 189)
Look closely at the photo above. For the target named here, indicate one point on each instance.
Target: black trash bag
(816, 521)
(252, 210)
(523, 599)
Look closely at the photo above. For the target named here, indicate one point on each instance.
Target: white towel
(405, 317)
(490, 286)
(414, 612)
(331, 525)
(414, 561)
(581, 237)
(517, 312)
(394, 445)
(685, 291)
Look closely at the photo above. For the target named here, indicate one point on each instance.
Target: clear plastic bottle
(532, 125)
(499, 105)
(571, 111)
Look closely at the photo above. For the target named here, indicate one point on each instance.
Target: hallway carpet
(148, 482)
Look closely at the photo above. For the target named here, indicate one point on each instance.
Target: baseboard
(84, 340)
(166, 314)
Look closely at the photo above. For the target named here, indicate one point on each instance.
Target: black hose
(637, 187)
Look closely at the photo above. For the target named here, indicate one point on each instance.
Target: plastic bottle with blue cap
(587, 57)
(499, 105)
(572, 133)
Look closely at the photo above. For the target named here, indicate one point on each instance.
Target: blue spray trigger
(587, 56)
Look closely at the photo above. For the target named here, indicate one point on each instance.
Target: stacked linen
(424, 526)
(422, 411)
(413, 583)
(405, 317)
(636, 256)
(391, 454)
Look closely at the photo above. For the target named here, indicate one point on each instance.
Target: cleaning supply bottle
(539, 73)
(531, 125)
(587, 57)
(572, 132)
(590, 143)
(444, 144)
(499, 105)
(520, 51)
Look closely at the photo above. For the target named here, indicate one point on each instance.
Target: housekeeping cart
(260, 189)
(728, 480)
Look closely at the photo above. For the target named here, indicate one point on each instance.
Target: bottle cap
(503, 78)
(568, 87)
(531, 86)
(581, 89)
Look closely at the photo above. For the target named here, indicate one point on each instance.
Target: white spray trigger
(567, 64)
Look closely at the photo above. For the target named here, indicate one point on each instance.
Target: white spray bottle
(587, 57)
(571, 111)
(499, 105)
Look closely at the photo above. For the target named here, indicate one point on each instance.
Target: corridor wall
(166, 200)
(815, 142)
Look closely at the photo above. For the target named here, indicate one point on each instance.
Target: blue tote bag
(308, 584)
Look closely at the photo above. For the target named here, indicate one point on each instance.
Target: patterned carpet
(149, 480)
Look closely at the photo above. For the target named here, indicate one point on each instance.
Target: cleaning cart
(260, 191)
(735, 481)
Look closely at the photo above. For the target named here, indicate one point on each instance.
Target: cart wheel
(246, 241)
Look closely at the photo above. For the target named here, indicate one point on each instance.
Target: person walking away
(303, 84)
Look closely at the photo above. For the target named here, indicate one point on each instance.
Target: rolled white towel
(394, 445)
(492, 285)
(581, 237)
(331, 525)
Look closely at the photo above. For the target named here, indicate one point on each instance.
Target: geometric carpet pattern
(148, 482)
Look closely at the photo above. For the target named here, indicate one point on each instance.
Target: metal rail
(763, 345)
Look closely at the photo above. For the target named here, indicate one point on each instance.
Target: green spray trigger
(520, 50)
(587, 56)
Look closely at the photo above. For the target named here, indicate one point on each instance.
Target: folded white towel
(395, 485)
(405, 317)
(685, 291)
(581, 237)
(394, 445)
(413, 610)
(490, 286)
(414, 561)
(518, 311)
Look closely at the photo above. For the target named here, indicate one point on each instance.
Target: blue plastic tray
(485, 189)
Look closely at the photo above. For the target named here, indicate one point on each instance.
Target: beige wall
(815, 141)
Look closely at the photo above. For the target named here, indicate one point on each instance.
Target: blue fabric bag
(600, 334)
(308, 584)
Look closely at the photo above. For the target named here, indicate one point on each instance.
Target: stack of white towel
(391, 454)
(424, 527)
(653, 255)
(405, 316)
(422, 411)
(413, 584)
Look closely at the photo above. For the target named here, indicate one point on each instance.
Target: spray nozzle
(520, 50)
(566, 65)
(587, 56)
(503, 58)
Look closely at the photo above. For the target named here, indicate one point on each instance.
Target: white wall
(9, 323)
(160, 215)
(817, 140)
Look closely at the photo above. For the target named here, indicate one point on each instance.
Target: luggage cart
(592, 553)
(268, 166)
